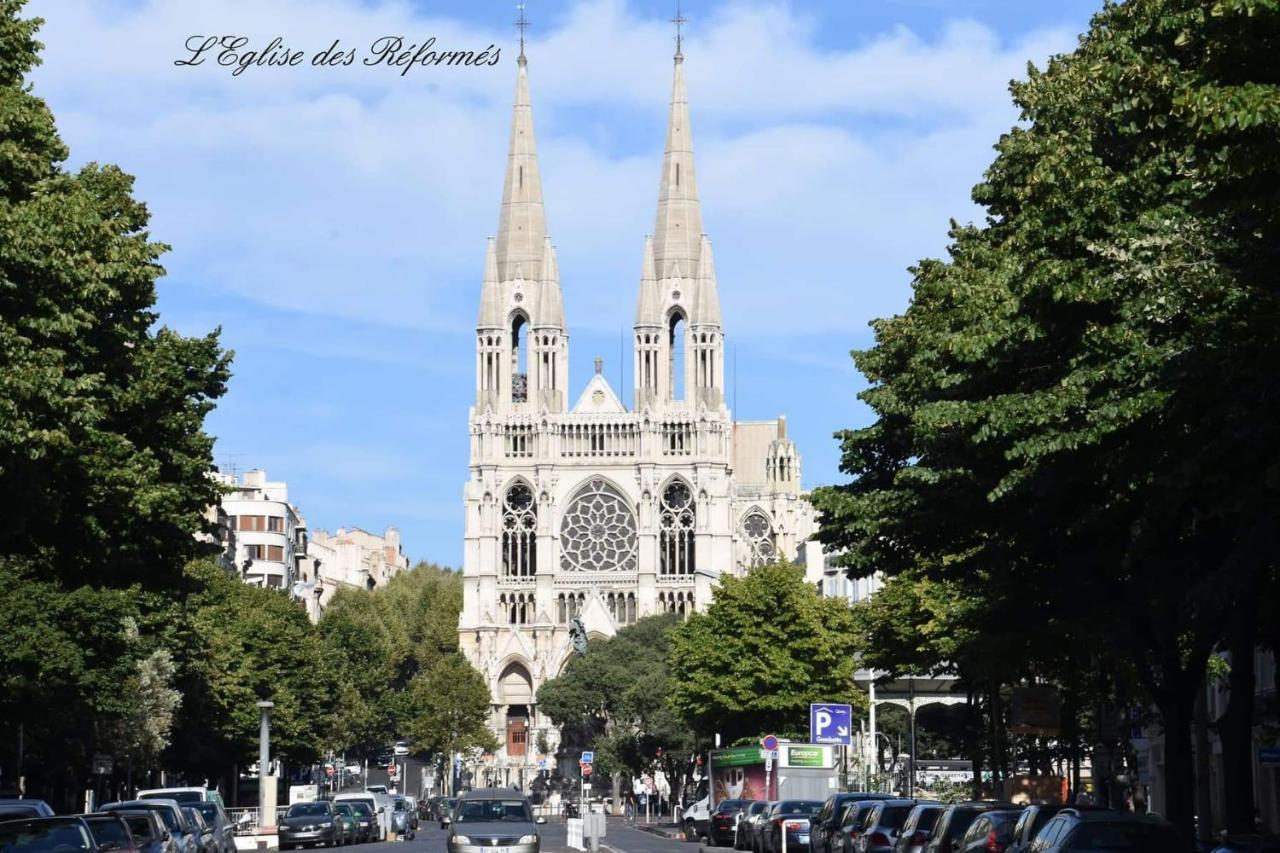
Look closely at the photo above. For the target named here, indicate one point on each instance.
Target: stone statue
(578, 635)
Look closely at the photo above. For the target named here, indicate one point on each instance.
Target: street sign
(769, 743)
(392, 770)
(586, 768)
(588, 757)
(831, 724)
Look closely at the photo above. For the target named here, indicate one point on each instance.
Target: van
(186, 796)
(381, 805)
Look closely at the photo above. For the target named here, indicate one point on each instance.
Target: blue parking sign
(831, 724)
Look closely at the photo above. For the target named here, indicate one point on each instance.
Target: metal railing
(245, 821)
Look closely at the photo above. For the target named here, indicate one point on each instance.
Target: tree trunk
(1204, 795)
(1179, 772)
(617, 792)
(1235, 727)
(974, 729)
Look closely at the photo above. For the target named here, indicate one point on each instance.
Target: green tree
(448, 708)
(1079, 401)
(767, 646)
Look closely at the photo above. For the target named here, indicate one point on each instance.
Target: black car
(47, 835)
(724, 821)
(853, 822)
(1033, 819)
(825, 825)
(787, 828)
(884, 822)
(991, 831)
(916, 829)
(954, 823)
(1079, 831)
(309, 825)
(744, 835)
(148, 830)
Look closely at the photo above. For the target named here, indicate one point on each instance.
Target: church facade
(578, 506)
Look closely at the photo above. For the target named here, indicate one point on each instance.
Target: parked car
(401, 747)
(744, 835)
(852, 823)
(444, 810)
(402, 818)
(47, 835)
(111, 832)
(990, 832)
(1076, 830)
(186, 796)
(787, 829)
(825, 825)
(916, 829)
(1248, 844)
(724, 822)
(1033, 819)
(884, 820)
(501, 816)
(366, 820)
(13, 808)
(377, 805)
(954, 822)
(171, 815)
(148, 830)
(343, 813)
(224, 834)
(308, 825)
(202, 831)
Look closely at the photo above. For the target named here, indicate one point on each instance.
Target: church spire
(678, 233)
(522, 225)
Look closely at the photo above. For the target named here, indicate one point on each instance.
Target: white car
(353, 769)
(401, 747)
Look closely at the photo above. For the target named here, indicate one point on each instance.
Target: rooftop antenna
(679, 20)
(522, 23)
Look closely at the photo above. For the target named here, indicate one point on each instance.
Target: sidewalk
(665, 830)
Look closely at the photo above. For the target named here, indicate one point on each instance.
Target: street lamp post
(266, 782)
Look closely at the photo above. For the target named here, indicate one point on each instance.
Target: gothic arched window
(598, 532)
(757, 533)
(675, 347)
(519, 359)
(675, 530)
(519, 533)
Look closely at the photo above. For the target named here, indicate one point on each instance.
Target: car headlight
(528, 839)
(327, 823)
(461, 839)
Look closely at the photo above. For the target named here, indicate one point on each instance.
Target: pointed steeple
(648, 305)
(490, 292)
(678, 231)
(706, 308)
(522, 225)
(550, 313)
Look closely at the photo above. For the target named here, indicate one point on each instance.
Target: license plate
(804, 838)
(495, 850)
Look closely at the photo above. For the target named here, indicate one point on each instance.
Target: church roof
(598, 398)
(522, 225)
(550, 311)
(648, 303)
(678, 232)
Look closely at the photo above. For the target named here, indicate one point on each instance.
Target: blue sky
(333, 221)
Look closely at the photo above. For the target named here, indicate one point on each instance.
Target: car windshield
(927, 819)
(170, 818)
(209, 811)
(488, 811)
(343, 809)
(400, 805)
(56, 836)
(730, 805)
(1128, 837)
(140, 826)
(961, 820)
(110, 833)
(758, 807)
(361, 809)
(893, 817)
(798, 806)
(307, 809)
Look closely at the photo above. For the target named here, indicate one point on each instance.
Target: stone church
(580, 506)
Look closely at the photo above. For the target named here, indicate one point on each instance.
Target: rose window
(598, 532)
(757, 533)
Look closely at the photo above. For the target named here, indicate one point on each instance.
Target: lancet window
(519, 533)
(676, 523)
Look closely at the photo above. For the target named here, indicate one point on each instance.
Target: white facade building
(352, 558)
(269, 536)
(583, 507)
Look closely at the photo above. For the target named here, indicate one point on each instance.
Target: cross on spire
(522, 23)
(679, 20)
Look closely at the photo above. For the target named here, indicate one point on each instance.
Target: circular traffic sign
(769, 742)
(586, 769)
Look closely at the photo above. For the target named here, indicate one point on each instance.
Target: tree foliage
(1075, 418)
(767, 646)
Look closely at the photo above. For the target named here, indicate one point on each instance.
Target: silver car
(184, 836)
(494, 820)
